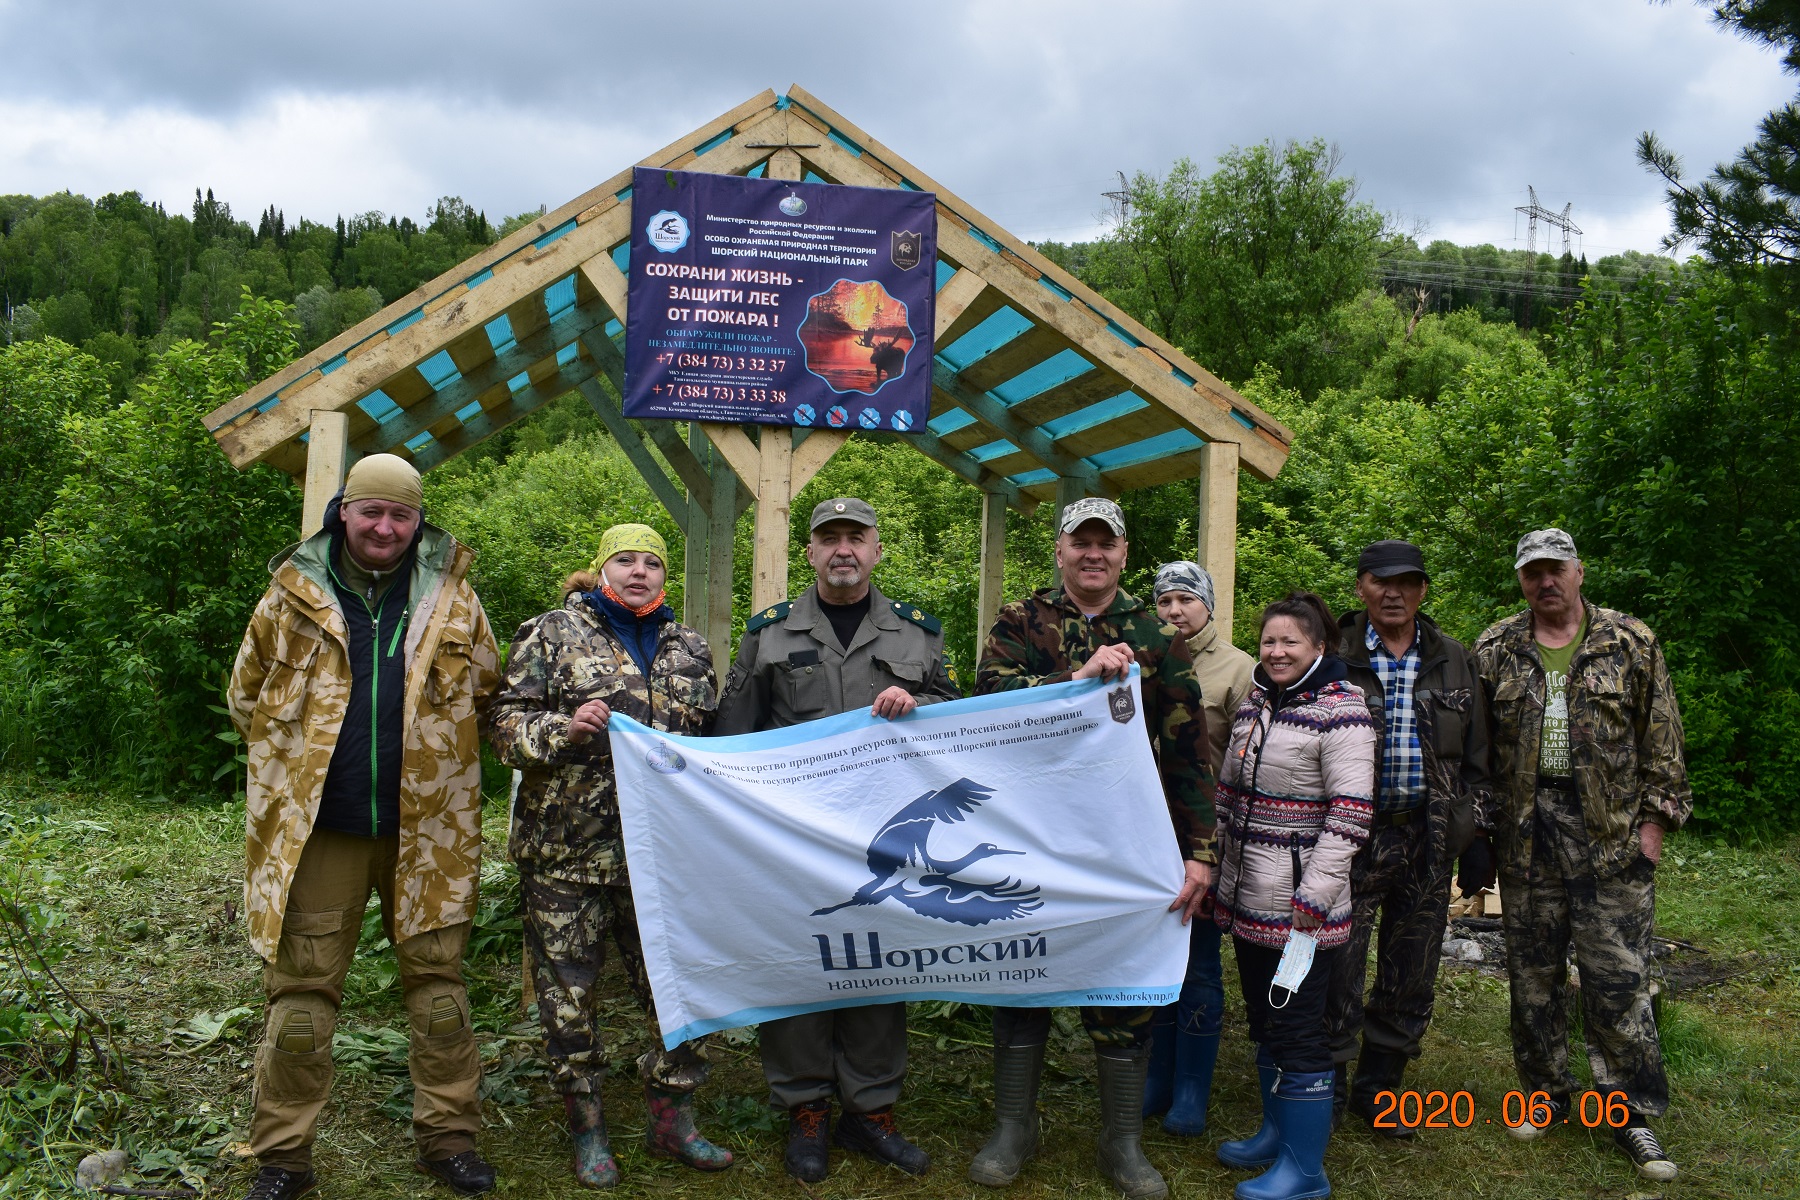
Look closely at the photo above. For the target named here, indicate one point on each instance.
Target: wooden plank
(1068, 491)
(959, 464)
(1019, 355)
(471, 349)
(990, 588)
(530, 352)
(523, 404)
(672, 497)
(529, 270)
(1155, 471)
(1217, 550)
(609, 281)
(694, 548)
(982, 306)
(761, 105)
(813, 454)
(1121, 431)
(738, 450)
(1028, 258)
(327, 461)
(952, 299)
(721, 556)
(1028, 438)
(1081, 323)
(774, 506)
(685, 462)
(1070, 397)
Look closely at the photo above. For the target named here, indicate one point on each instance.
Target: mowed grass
(157, 944)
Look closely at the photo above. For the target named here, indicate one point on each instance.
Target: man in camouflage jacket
(1588, 776)
(370, 640)
(1088, 627)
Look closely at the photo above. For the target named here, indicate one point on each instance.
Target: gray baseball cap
(842, 508)
(1093, 508)
(1545, 543)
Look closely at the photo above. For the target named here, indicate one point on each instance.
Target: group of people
(1320, 794)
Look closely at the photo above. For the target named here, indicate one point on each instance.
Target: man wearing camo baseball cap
(1588, 777)
(1086, 627)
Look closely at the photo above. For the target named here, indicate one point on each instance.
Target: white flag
(1005, 849)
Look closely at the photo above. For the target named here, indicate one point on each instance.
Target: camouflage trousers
(566, 924)
(1399, 897)
(1108, 1026)
(1609, 920)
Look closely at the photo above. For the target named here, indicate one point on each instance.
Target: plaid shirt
(1402, 758)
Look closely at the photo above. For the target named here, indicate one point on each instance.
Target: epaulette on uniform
(919, 617)
(768, 616)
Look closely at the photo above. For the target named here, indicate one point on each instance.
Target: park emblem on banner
(757, 300)
(1005, 849)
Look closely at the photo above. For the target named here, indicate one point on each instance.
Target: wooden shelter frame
(1042, 389)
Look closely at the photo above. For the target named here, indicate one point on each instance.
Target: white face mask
(1296, 962)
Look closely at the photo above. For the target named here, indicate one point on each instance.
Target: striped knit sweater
(1297, 787)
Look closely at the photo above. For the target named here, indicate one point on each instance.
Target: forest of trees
(1454, 395)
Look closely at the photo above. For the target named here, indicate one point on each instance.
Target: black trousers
(1294, 1034)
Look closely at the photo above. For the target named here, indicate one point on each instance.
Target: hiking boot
(671, 1131)
(467, 1173)
(1525, 1131)
(1017, 1070)
(1644, 1151)
(875, 1135)
(279, 1183)
(595, 1165)
(806, 1158)
(1378, 1071)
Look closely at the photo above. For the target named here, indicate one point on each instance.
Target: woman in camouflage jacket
(613, 646)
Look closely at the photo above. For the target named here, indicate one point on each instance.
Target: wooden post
(720, 554)
(694, 576)
(1068, 491)
(327, 459)
(991, 591)
(1217, 551)
(774, 503)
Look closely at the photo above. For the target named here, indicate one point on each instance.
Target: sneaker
(467, 1173)
(806, 1158)
(874, 1134)
(1645, 1152)
(278, 1183)
(1525, 1131)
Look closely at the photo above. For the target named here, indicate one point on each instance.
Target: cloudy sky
(1444, 112)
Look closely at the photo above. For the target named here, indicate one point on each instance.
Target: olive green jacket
(791, 668)
(1625, 739)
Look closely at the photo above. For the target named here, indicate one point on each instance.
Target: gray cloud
(1444, 112)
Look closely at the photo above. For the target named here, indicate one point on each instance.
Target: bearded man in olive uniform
(841, 645)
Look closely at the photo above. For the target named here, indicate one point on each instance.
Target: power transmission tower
(1121, 200)
(1534, 213)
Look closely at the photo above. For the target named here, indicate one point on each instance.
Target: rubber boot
(1017, 1070)
(1195, 1054)
(670, 1131)
(1303, 1102)
(595, 1165)
(1261, 1147)
(1120, 1152)
(1378, 1071)
(1159, 1084)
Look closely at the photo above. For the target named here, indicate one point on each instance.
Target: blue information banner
(755, 300)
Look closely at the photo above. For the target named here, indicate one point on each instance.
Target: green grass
(155, 942)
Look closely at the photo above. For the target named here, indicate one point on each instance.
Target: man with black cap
(1431, 781)
(839, 646)
(358, 691)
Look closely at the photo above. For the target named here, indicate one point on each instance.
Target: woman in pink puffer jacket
(1294, 802)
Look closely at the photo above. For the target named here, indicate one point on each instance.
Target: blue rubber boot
(1260, 1148)
(1159, 1084)
(1195, 1054)
(1303, 1103)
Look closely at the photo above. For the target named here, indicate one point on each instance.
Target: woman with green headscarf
(613, 646)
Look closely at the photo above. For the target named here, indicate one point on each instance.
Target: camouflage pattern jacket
(1046, 639)
(288, 693)
(1451, 709)
(565, 820)
(1625, 739)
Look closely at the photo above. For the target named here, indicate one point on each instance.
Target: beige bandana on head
(384, 477)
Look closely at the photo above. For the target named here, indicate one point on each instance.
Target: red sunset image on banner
(856, 336)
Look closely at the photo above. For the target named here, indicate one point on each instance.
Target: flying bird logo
(902, 867)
